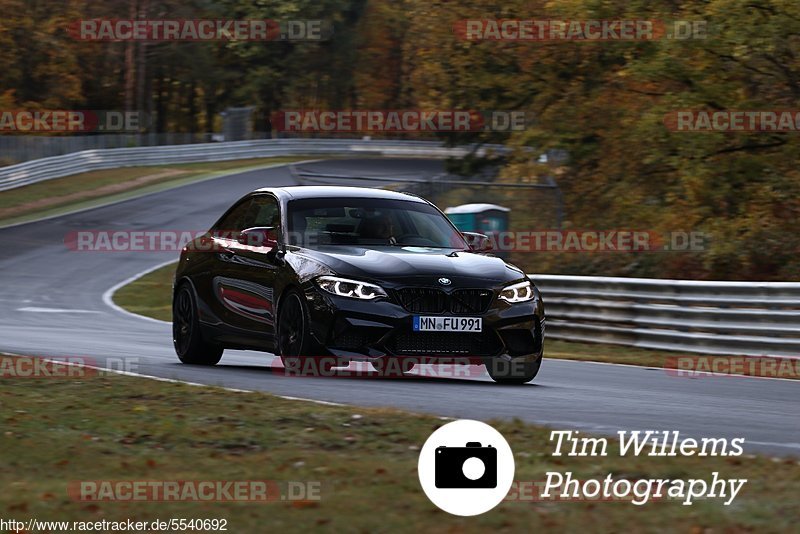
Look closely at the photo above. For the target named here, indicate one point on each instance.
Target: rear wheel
(513, 372)
(187, 337)
(295, 345)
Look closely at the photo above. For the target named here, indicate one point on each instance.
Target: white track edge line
(193, 384)
(285, 397)
(651, 368)
(108, 295)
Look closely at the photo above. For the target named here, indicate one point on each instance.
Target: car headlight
(519, 292)
(343, 287)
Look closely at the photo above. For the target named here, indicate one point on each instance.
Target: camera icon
(473, 466)
(484, 467)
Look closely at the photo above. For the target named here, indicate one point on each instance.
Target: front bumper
(352, 329)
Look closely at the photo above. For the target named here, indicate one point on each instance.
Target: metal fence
(92, 160)
(740, 318)
(532, 203)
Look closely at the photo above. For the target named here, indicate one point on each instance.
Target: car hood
(421, 265)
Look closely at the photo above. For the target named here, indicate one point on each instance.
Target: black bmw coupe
(341, 274)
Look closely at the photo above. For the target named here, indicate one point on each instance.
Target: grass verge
(83, 190)
(151, 296)
(110, 427)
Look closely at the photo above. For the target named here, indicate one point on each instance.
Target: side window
(236, 218)
(264, 212)
(255, 211)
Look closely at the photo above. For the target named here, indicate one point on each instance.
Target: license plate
(447, 324)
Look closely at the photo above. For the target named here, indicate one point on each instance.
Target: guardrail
(738, 318)
(91, 160)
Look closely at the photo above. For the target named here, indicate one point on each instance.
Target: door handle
(226, 254)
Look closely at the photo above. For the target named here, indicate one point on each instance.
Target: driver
(379, 227)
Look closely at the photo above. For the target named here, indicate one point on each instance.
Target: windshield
(370, 222)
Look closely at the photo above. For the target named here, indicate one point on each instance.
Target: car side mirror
(266, 236)
(478, 242)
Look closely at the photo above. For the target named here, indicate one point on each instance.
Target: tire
(513, 372)
(392, 367)
(187, 336)
(294, 343)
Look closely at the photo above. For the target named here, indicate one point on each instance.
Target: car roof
(329, 191)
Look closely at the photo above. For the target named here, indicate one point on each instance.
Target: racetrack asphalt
(51, 304)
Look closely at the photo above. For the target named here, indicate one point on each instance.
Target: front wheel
(513, 372)
(294, 342)
(187, 337)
